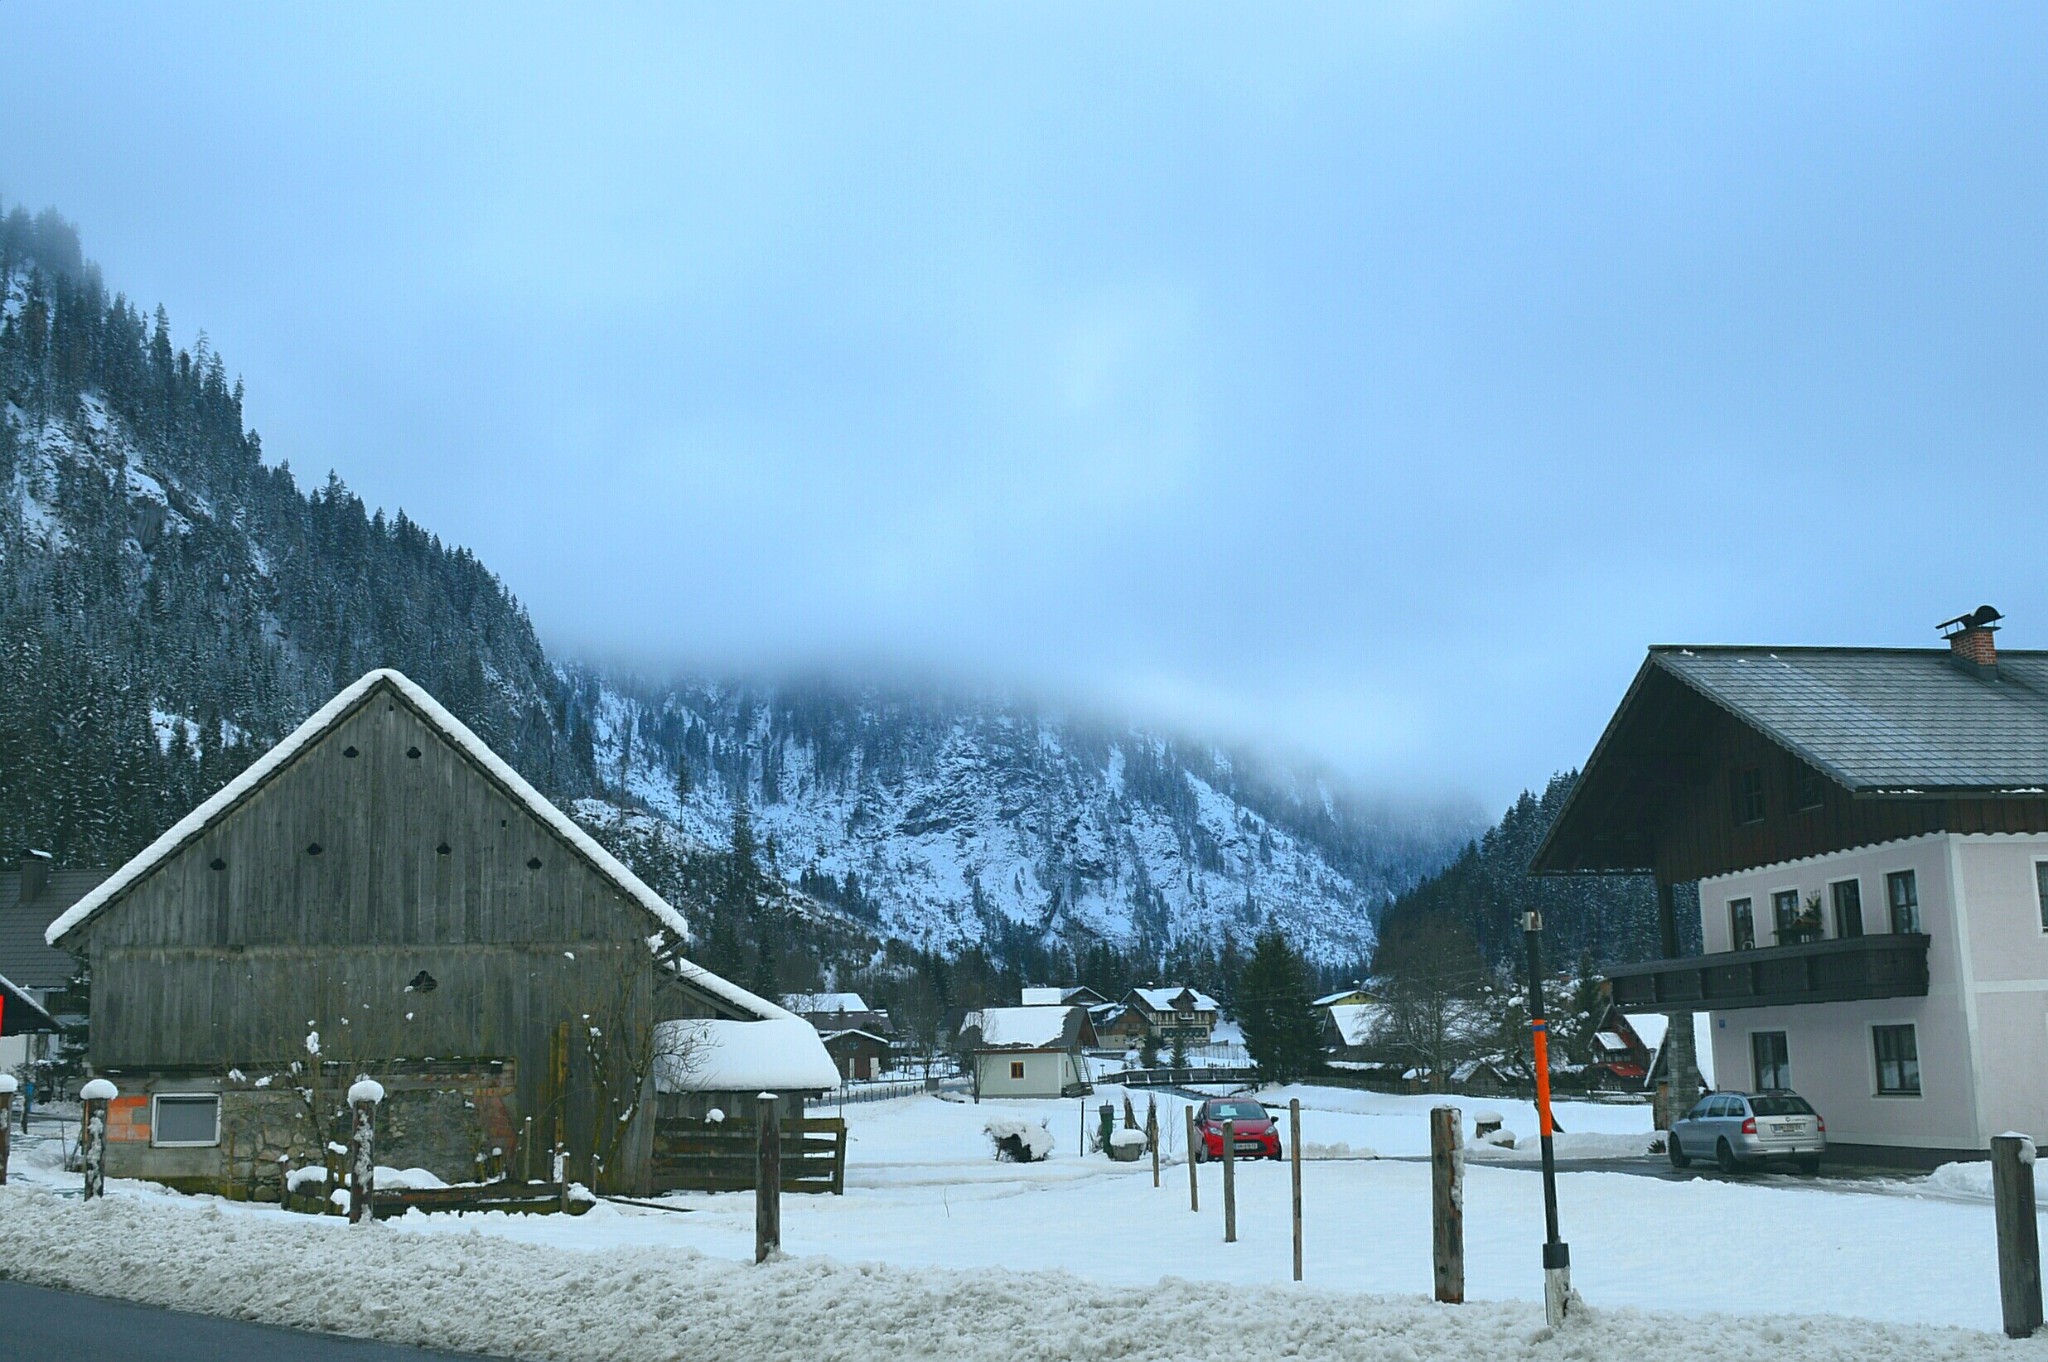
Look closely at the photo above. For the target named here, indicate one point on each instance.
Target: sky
(1373, 381)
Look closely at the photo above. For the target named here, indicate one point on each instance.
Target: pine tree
(1273, 1008)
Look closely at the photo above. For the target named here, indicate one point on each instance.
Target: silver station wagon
(1736, 1129)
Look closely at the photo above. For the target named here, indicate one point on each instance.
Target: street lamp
(1557, 1255)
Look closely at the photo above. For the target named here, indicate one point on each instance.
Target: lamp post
(1557, 1255)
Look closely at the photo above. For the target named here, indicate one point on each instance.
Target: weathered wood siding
(225, 954)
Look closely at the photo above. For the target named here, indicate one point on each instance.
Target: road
(36, 1322)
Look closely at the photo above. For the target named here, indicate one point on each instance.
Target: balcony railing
(1886, 965)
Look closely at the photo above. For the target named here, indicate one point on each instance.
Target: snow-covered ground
(938, 1249)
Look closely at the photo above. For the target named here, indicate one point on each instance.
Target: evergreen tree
(1273, 1008)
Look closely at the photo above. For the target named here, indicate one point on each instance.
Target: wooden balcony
(1886, 965)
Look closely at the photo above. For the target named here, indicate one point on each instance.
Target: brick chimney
(1970, 642)
(35, 874)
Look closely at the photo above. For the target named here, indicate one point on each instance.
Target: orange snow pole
(1557, 1255)
(1541, 1029)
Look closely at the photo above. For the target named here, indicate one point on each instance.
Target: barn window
(314, 848)
(184, 1119)
(1017, 1068)
(217, 864)
(413, 752)
(443, 849)
(533, 862)
(349, 752)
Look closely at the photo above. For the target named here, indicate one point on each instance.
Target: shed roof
(25, 956)
(1023, 1028)
(708, 1054)
(20, 1013)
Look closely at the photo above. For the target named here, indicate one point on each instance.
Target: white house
(1868, 828)
(1028, 1051)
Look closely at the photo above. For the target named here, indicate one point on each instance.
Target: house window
(1848, 902)
(1017, 1069)
(1809, 787)
(1785, 915)
(1898, 1060)
(1771, 1058)
(1741, 925)
(184, 1119)
(2041, 890)
(1902, 891)
(1746, 784)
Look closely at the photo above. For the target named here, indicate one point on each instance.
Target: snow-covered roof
(1051, 996)
(20, 1013)
(1021, 1028)
(1339, 996)
(853, 1031)
(326, 717)
(1164, 999)
(1611, 1041)
(707, 1054)
(1650, 1028)
(1355, 1021)
(824, 1002)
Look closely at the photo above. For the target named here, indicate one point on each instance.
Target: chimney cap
(1983, 617)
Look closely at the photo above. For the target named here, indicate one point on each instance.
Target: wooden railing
(1883, 965)
(718, 1156)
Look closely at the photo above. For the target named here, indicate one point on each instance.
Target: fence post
(1194, 1182)
(97, 1095)
(1151, 1138)
(2019, 1237)
(1230, 1182)
(6, 1120)
(768, 1179)
(1294, 1149)
(363, 1097)
(1447, 1202)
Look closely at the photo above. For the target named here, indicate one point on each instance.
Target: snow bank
(299, 1179)
(1973, 1180)
(486, 1294)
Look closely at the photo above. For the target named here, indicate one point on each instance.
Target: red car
(1255, 1132)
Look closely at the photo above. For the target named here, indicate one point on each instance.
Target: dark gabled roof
(25, 957)
(21, 1014)
(1886, 720)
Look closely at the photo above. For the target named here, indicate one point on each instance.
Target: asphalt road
(38, 1323)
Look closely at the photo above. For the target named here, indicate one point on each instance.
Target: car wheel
(1201, 1154)
(1724, 1155)
(1679, 1158)
(1810, 1164)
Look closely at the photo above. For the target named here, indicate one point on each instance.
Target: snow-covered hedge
(1019, 1141)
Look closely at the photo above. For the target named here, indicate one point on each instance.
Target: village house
(860, 1055)
(379, 894)
(33, 895)
(1352, 996)
(1027, 1051)
(1868, 829)
(1625, 1048)
(840, 1012)
(1177, 1012)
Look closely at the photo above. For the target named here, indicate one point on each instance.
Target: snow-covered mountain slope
(948, 821)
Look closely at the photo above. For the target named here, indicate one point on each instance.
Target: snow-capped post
(526, 1150)
(1447, 1202)
(1229, 1181)
(6, 1119)
(1557, 1255)
(768, 1180)
(363, 1098)
(97, 1095)
(2019, 1237)
(1294, 1154)
(1194, 1177)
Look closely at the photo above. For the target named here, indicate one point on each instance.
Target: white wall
(1829, 1044)
(1046, 1072)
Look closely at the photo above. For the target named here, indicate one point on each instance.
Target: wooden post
(6, 1120)
(1194, 1184)
(526, 1150)
(1230, 1182)
(1447, 1202)
(768, 1180)
(92, 1134)
(2019, 1236)
(363, 1098)
(1294, 1153)
(1151, 1138)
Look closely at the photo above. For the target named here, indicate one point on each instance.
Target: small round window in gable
(533, 862)
(217, 864)
(443, 849)
(349, 752)
(314, 848)
(413, 752)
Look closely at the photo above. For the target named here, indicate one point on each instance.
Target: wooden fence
(539, 1197)
(706, 1156)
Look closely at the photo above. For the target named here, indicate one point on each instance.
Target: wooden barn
(381, 895)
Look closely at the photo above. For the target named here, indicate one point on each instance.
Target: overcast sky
(1378, 380)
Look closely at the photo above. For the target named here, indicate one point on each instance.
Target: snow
(712, 1055)
(7, 1084)
(1163, 999)
(827, 1002)
(365, 1090)
(1019, 1028)
(1042, 996)
(1036, 1139)
(1124, 1138)
(1355, 1021)
(98, 1090)
(299, 1179)
(1650, 1028)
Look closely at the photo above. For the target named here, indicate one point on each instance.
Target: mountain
(172, 601)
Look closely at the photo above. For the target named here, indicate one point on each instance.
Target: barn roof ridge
(494, 767)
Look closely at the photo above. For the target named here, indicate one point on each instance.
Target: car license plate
(1784, 1129)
